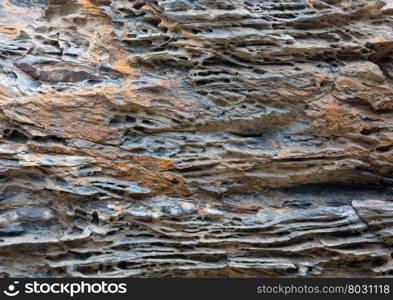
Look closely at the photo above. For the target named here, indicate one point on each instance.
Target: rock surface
(196, 138)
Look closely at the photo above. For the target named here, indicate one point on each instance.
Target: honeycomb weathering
(196, 138)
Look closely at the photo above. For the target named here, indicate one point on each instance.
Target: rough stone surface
(194, 138)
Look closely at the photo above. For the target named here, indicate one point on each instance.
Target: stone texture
(185, 138)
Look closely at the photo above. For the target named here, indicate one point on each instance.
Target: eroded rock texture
(194, 138)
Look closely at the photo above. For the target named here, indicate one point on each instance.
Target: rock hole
(14, 135)
(130, 119)
(95, 217)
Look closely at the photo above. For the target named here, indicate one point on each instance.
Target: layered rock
(203, 138)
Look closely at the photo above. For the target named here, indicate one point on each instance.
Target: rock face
(196, 138)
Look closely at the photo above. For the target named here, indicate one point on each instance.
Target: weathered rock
(154, 138)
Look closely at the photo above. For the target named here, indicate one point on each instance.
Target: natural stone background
(196, 138)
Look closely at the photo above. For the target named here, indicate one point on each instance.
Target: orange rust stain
(347, 83)
(301, 93)
(118, 208)
(169, 82)
(253, 209)
(102, 160)
(137, 98)
(122, 164)
(4, 93)
(82, 181)
(57, 188)
(388, 156)
(164, 21)
(318, 79)
(188, 42)
(149, 172)
(50, 111)
(8, 4)
(121, 65)
(74, 125)
(339, 116)
(10, 29)
(285, 92)
(152, 8)
(57, 149)
(104, 46)
(380, 97)
(151, 162)
(91, 7)
(330, 115)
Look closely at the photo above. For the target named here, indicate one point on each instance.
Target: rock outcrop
(196, 138)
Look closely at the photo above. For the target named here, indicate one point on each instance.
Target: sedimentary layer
(183, 138)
